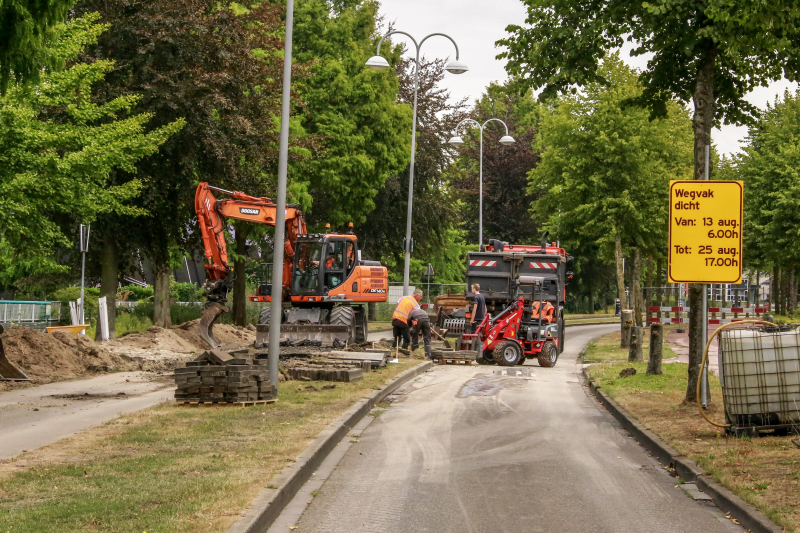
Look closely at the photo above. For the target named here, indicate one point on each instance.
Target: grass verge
(379, 326)
(764, 471)
(606, 349)
(172, 468)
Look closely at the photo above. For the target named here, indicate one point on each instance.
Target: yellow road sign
(705, 231)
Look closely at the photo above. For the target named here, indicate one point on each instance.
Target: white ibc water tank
(760, 375)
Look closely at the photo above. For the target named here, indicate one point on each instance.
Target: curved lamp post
(377, 62)
(456, 140)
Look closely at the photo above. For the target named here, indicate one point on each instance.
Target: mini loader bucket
(9, 372)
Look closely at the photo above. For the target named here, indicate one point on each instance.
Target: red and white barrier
(710, 309)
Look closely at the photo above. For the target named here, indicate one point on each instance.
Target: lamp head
(456, 67)
(377, 63)
(507, 139)
(456, 141)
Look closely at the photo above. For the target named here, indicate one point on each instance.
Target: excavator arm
(211, 216)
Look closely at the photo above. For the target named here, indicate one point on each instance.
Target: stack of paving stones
(325, 372)
(221, 377)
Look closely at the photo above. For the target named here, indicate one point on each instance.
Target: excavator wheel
(507, 353)
(549, 355)
(265, 315)
(344, 315)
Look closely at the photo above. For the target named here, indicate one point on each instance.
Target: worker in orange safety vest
(547, 311)
(400, 326)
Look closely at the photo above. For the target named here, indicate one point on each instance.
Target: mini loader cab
(324, 277)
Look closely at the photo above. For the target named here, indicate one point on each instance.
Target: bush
(185, 292)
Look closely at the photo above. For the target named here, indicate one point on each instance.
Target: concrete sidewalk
(36, 416)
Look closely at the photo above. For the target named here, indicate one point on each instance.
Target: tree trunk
(656, 350)
(792, 292)
(702, 122)
(590, 296)
(240, 275)
(109, 279)
(161, 297)
(635, 350)
(784, 290)
(372, 312)
(636, 289)
(626, 323)
(623, 301)
(776, 291)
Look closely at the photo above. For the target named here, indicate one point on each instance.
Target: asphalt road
(468, 449)
(36, 416)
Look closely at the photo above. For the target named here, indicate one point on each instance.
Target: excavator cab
(322, 263)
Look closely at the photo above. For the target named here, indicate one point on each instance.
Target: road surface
(36, 416)
(469, 449)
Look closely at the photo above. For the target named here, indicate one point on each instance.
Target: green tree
(605, 170)
(710, 51)
(365, 131)
(216, 66)
(769, 167)
(26, 29)
(58, 149)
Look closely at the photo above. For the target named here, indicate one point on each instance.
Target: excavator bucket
(210, 316)
(9, 372)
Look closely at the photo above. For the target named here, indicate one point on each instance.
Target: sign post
(705, 238)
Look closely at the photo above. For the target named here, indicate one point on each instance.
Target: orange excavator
(324, 277)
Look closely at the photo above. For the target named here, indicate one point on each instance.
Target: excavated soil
(60, 356)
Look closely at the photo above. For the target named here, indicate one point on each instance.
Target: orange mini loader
(324, 278)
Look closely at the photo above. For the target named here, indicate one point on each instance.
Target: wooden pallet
(224, 403)
(452, 361)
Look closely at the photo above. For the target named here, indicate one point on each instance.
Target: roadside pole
(84, 244)
(704, 311)
(280, 222)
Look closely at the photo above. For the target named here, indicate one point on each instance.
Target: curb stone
(263, 511)
(747, 515)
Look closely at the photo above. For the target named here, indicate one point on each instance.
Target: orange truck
(325, 280)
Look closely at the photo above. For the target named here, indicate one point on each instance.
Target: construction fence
(12, 312)
(726, 304)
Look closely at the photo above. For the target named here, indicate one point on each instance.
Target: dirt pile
(58, 356)
(225, 333)
(48, 357)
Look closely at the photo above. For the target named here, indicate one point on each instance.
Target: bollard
(656, 350)
(626, 323)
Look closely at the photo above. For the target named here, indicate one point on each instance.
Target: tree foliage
(435, 221)
(365, 131)
(58, 148)
(769, 167)
(506, 198)
(26, 29)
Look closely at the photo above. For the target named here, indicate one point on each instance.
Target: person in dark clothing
(420, 321)
(478, 309)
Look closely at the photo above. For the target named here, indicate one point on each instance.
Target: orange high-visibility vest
(547, 312)
(404, 308)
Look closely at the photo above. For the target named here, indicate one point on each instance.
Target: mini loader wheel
(507, 353)
(549, 355)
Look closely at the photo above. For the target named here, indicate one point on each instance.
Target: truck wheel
(265, 315)
(561, 334)
(507, 353)
(549, 355)
(344, 315)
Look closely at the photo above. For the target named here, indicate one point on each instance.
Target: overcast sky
(477, 24)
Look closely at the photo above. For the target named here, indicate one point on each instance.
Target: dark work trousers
(424, 325)
(402, 332)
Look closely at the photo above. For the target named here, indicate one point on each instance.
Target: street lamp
(457, 141)
(377, 62)
(84, 245)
